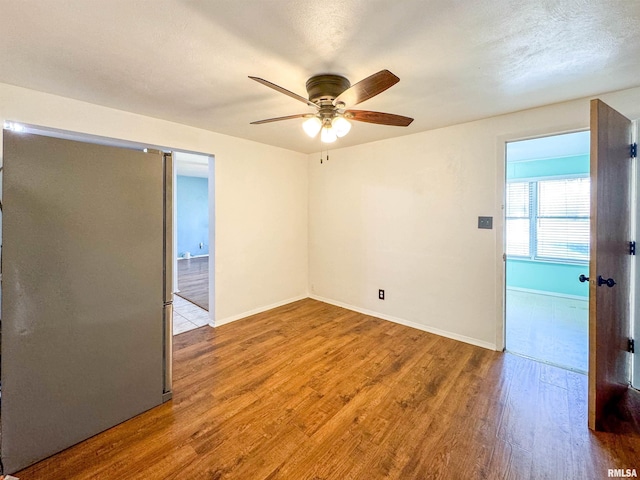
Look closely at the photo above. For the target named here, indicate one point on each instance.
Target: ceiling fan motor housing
(325, 88)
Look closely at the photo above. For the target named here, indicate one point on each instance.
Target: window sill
(554, 261)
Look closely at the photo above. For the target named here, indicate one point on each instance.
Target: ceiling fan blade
(277, 119)
(378, 117)
(278, 88)
(367, 88)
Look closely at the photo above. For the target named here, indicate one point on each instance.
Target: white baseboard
(233, 318)
(548, 294)
(193, 256)
(408, 323)
(389, 318)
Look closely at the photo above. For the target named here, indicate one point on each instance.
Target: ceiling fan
(332, 96)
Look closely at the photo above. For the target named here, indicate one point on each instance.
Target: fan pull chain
(321, 150)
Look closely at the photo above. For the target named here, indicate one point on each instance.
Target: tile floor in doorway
(549, 328)
(187, 316)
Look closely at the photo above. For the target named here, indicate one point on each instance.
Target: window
(518, 218)
(563, 219)
(549, 219)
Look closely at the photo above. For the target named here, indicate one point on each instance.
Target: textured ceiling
(188, 61)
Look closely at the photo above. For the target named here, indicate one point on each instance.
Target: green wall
(559, 278)
(552, 277)
(548, 167)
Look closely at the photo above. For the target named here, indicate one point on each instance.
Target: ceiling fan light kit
(331, 129)
(328, 135)
(331, 96)
(341, 126)
(312, 126)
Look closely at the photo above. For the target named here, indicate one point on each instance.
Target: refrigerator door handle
(167, 356)
(168, 228)
(168, 278)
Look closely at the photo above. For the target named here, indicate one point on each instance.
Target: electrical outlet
(381, 294)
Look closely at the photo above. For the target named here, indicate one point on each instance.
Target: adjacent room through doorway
(547, 247)
(193, 249)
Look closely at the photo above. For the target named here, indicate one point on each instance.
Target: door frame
(533, 178)
(211, 185)
(634, 303)
(500, 221)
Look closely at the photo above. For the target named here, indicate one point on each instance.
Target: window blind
(518, 218)
(563, 219)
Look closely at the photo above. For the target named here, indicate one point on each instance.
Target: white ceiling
(187, 61)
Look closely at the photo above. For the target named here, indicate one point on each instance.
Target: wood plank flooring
(193, 280)
(313, 391)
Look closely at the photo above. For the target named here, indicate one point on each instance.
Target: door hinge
(633, 150)
(632, 248)
(632, 346)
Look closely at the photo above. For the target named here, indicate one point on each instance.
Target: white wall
(261, 196)
(261, 230)
(401, 215)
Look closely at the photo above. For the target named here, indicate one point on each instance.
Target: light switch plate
(485, 222)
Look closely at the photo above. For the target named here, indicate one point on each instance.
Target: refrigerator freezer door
(82, 299)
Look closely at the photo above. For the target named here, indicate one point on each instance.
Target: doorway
(547, 249)
(192, 265)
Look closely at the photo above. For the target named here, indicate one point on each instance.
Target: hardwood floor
(193, 280)
(313, 391)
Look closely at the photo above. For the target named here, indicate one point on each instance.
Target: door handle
(609, 282)
(582, 278)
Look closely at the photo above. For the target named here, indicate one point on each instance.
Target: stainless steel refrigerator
(86, 291)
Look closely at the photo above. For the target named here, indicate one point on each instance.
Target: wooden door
(609, 323)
